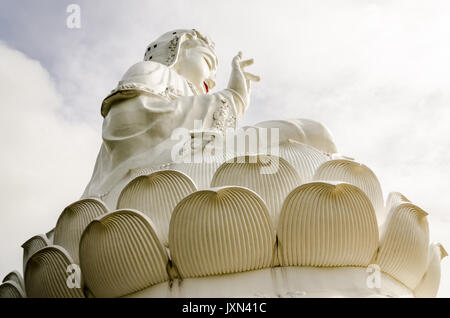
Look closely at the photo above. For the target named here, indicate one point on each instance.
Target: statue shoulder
(148, 77)
(144, 68)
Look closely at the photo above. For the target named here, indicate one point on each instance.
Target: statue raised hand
(239, 79)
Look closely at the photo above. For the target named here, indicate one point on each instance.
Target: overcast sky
(377, 73)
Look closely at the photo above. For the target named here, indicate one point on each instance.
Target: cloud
(46, 160)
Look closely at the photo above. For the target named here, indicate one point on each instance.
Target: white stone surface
(282, 282)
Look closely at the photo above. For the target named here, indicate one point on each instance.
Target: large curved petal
(357, 174)
(72, 222)
(120, 253)
(156, 195)
(269, 176)
(220, 231)
(32, 245)
(15, 277)
(305, 159)
(394, 199)
(46, 274)
(199, 167)
(202, 172)
(287, 130)
(50, 235)
(403, 251)
(429, 285)
(324, 224)
(306, 131)
(317, 134)
(11, 289)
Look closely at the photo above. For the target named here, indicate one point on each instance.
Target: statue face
(197, 63)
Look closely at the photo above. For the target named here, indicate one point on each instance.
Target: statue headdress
(166, 48)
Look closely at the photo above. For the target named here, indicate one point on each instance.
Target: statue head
(189, 53)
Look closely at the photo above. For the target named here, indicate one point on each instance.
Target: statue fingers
(236, 60)
(247, 63)
(252, 77)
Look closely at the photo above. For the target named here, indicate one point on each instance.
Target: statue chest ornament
(224, 117)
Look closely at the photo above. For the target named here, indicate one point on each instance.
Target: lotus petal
(306, 131)
(429, 285)
(46, 274)
(305, 159)
(11, 289)
(156, 195)
(120, 253)
(403, 251)
(324, 224)
(287, 130)
(357, 174)
(15, 277)
(50, 235)
(394, 199)
(317, 134)
(269, 176)
(32, 246)
(72, 222)
(202, 173)
(220, 231)
(199, 168)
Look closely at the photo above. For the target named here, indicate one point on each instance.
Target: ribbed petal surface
(394, 199)
(156, 195)
(200, 172)
(32, 246)
(46, 274)
(357, 174)
(269, 176)
(120, 253)
(306, 131)
(15, 277)
(323, 224)
(303, 158)
(72, 222)
(199, 167)
(403, 251)
(317, 135)
(220, 231)
(11, 289)
(429, 285)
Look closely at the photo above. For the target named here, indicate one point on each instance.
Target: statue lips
(206, 87)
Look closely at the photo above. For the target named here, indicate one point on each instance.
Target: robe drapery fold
(140, 114)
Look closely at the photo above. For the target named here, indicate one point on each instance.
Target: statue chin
(286, 282)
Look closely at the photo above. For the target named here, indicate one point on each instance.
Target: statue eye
(154, 46)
